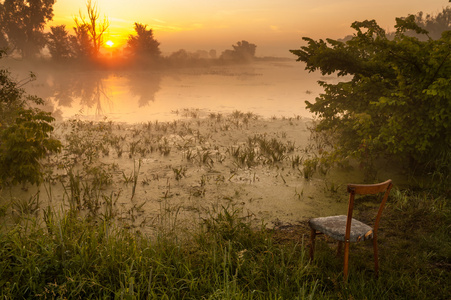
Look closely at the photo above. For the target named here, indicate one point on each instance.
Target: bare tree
(96, 28)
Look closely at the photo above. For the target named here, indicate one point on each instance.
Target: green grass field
(57, 255)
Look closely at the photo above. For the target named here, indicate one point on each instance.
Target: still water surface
(265, 88)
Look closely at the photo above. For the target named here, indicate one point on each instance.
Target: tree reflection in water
(144, 86)
(95, 90)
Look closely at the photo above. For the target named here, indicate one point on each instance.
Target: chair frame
(358, 189)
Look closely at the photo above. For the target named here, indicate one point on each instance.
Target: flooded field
(182, 143)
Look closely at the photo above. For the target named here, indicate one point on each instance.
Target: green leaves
(24, 143)
(397, 99)
(24, 134)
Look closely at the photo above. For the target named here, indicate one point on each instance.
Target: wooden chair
(346, 229)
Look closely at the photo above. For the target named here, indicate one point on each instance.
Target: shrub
(394, 98)
(24, 133)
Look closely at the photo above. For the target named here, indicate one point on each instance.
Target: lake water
(268, 89)
(265, 88)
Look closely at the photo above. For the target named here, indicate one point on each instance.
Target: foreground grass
(73, 258)
(66, 256)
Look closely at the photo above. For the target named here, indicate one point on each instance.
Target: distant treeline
(23, 34)
(435, 25)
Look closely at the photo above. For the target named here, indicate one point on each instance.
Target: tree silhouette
(81, 42)
(435, 24)
(93, 27)
(58, 42)
(22, 24)
(143, 45)
(242, 51)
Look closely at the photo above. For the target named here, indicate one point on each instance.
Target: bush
(24, 133)
(396, 102)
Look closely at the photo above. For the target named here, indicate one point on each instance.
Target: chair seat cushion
(335, 227)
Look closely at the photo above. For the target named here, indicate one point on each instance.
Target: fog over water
(266, 88)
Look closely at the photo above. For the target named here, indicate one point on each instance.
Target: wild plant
(309, 167)
(26, 206)
(164, 147)
(251, 116)
(136, 132)
(192, 113)
(219, 179)
(218, 116)
(136, 168)
(91, 198)
(145, 181)
(244, 156)
(127, 178)
(271, 149)
(179, 173)
(189, 155)
(236, 114)
(296, 161)
(115, 142)
(109, 212)
(72, 190)
(100, 174)
(133, 148)
(83, 189)
(331, 187)
(173, 125)
(167, 194)
(205, 157)
(84, 144)
(105, 150)
(136, 211)
(225, 127)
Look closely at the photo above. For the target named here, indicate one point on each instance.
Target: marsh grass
(94, 248)
(63, 255)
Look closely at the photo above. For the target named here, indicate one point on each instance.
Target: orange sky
(274, 26)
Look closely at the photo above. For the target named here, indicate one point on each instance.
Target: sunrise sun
(109, 44)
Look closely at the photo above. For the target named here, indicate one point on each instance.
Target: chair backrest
(367, 189)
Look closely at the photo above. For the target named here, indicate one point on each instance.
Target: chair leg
(376, 258)
(346, 261)
(312, 242)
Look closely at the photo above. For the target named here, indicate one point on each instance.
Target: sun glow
(109, 44)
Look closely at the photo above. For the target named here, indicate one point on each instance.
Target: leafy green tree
(143, 45)
(394, 98)
(58, 41)
(22, 23)
(24, 134)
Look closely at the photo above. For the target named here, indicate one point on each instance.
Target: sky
(275, 26)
